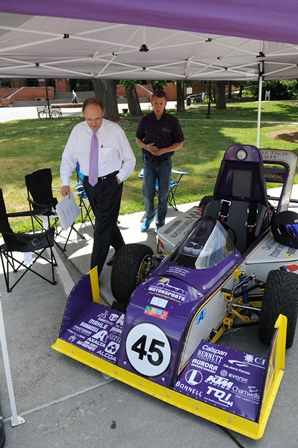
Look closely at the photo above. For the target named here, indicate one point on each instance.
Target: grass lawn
(28, 145)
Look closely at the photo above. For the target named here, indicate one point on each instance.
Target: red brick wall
(143, 93)
(25, 94)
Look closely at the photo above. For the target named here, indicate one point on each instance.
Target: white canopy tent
(169, 39)
(47, 47)
(193, 40)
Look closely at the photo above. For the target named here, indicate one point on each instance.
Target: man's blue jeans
(159, 170)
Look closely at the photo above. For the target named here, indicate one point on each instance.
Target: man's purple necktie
(93, 161)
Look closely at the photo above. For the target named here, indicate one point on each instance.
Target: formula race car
(227, 263)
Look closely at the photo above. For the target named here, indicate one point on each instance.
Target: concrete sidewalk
(67, 404)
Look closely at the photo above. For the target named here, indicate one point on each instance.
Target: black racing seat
(240, 195)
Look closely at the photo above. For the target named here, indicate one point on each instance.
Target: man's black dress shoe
(111, 260)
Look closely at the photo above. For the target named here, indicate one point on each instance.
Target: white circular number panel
(148, 349)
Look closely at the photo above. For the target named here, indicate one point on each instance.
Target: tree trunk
(106, 91)
(133, 101)
(180, 96)
(221, 95)
(229, 90)
(99, 90)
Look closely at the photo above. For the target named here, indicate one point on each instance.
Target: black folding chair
(35, 243)
(41, 200)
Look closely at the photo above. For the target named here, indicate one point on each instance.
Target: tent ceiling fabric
(187, 42)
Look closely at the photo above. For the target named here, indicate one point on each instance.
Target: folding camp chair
(174, 184)
(84, 204)
(41, 200)
(35, 243)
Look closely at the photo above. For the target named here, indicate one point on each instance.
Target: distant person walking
(74, 97)
(159, 134)
(106, 160)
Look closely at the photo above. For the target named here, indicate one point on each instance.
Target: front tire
(129, 269)
(280, 297)
(42, 114)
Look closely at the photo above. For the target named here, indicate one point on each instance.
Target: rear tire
(55, 114)
(129, 269)
(280, 297)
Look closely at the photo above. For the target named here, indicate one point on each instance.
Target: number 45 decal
(148, 349)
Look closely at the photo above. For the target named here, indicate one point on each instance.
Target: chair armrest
(22, 214)
(179, 172)
(41, 208)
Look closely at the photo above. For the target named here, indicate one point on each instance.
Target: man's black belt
(105, 177)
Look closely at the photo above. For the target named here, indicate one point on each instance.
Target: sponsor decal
(100, 336)
(179, 271)
(220, 396)
(194, 377)
(233, 376)
(158, 301)
(204, 365)
(237, 369)
(270, 176)
(164, 288)
(156, 312)
(200, 317)
(188, 390)
(229, 379)
(218, 381)
(269, 244)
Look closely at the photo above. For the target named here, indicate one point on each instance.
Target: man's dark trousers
(105, 199)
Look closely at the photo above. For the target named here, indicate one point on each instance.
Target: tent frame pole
(15, 418)
(259, 111)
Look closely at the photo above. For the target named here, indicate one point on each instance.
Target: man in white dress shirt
(116, 162)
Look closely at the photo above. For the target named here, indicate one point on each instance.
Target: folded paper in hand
(67, 211)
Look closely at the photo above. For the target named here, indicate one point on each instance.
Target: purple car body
(165, 334)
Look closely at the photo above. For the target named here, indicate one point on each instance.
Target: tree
(106, 91)
(221, 95)
(180, 96)
(132, 98)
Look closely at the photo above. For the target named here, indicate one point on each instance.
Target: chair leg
(5, 270)
(87, 209)
(52, 261)
(72, 228)
(172, 200)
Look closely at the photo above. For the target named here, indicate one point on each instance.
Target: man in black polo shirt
(159, 135)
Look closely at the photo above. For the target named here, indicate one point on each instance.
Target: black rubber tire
(128, 270)
(280, 297)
